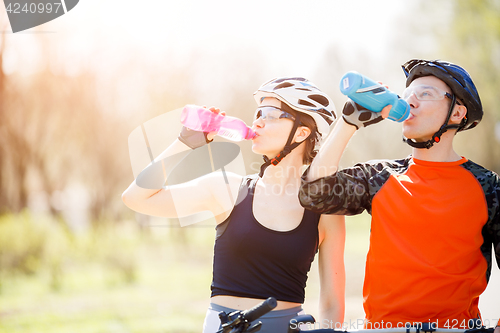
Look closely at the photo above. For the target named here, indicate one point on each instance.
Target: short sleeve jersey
(432, 230)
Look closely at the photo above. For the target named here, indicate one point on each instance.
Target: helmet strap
(436, 137)
(286, 150)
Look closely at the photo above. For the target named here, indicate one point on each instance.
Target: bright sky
(216, 41)
(297, 31)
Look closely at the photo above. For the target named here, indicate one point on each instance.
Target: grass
(127, 280)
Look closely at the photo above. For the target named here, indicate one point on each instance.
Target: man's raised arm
(354, 116)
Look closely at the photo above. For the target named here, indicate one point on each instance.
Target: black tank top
(253, 261)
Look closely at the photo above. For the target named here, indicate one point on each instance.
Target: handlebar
(239, 321)
(260, 309)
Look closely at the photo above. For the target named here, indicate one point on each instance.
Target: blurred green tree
(473, 41)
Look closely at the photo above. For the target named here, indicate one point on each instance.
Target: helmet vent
(283, 85)
(320, 99)
(302, 102)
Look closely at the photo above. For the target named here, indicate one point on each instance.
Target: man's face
(426, 116)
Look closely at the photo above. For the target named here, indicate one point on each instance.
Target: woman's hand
(195, 139)
(211, 135)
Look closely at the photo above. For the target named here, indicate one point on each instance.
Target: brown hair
(311, 142)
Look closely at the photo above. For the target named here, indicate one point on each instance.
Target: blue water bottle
(373, 95)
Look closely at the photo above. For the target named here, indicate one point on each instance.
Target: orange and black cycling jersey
(432, 230)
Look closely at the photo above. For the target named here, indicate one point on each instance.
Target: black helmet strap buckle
(436, 137)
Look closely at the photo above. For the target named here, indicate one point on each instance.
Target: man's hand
(358, 116)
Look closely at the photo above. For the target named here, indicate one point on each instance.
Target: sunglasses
(272, 113)
(426, 93)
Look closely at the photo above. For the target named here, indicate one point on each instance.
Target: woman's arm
(331, 269)
(214, 192)
(151, 180)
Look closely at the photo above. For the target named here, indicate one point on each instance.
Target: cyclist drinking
(435, 214)
(265, 242)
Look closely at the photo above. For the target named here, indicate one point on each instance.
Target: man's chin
(416, 138)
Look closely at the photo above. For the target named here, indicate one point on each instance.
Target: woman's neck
(288, 171)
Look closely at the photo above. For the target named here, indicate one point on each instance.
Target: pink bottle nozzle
(250, 134)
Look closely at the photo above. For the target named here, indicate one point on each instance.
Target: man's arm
(324, 188)
(327, 160)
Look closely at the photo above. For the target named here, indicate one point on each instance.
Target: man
(435, 214)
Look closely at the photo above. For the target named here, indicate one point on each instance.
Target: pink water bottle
(200, 119)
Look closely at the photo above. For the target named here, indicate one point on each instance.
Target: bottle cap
(350, 82)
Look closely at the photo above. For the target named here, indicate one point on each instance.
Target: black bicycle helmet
(461, 86)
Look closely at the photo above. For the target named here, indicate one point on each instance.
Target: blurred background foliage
(74, 258)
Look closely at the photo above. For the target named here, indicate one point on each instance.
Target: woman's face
(272, 134)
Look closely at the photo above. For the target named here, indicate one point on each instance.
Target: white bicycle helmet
(304, 97)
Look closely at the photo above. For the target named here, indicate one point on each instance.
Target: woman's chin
(257, 149)
(258, 152)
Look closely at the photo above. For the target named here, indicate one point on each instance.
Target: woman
(265, 241)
